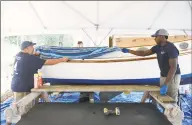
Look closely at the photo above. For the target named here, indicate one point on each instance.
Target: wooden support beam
(110, 41)
(127, 42)
(163, 99)
(95, 88)
(16, 110)
(171, 109)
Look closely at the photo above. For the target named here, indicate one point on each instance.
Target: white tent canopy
(94, 19)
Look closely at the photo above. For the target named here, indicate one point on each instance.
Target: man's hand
(163, 89)
(125, 50)
(36, 53)
(64, 59)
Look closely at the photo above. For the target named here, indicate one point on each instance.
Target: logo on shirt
(18, 58)
(162, 52)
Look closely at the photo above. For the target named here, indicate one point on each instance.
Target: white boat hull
(144, 72)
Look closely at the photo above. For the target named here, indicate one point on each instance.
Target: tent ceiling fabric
(26, 17)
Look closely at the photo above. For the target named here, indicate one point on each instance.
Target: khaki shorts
(173, 86)
(19, 95)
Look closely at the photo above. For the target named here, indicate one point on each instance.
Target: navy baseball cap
(25, 44)
(160, 32)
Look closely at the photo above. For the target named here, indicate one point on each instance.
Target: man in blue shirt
(25, 66)
(167, 56)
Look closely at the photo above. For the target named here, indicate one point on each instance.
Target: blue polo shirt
(25, 66)
(164, 53)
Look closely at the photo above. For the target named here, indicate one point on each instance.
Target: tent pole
(185, 33)
(32, 7)
(89, 37)
(123, 8)
(189, 4)
(97, 13)
(158, 15)
(105, 37)
(78, 12)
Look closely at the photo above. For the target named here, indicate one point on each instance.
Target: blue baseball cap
(160, 32)
(25, 44)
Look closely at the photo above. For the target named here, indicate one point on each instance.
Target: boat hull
(115, 68)
(136, 72)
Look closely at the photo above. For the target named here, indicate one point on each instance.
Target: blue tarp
(130, 98)
(48, 52)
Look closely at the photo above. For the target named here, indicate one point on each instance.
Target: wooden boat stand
(14, 113)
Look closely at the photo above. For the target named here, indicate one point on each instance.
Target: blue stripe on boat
(185, 79)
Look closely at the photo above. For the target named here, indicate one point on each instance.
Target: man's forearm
(138, 53)
(170, 75)
(36, 54)
(52, 61)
